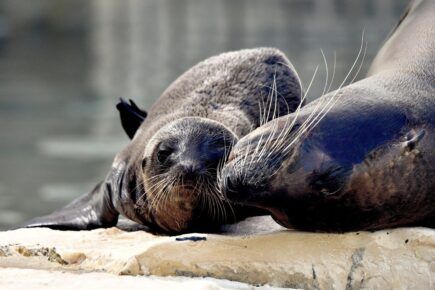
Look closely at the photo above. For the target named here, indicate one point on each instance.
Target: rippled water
(59, 129)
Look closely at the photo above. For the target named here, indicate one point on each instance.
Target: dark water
(59, 129)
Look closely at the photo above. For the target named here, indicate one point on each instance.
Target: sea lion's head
(177, 151)
(338, 171)
(179, 172)
(291, 169)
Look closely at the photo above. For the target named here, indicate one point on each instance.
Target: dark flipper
(89, 211)
(131, 116)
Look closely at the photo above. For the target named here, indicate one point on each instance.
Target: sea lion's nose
(191, 169)
(232, 188)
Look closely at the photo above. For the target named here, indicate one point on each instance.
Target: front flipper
(89, 211)
(131, 116)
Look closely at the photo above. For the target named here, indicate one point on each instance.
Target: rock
(390, 259)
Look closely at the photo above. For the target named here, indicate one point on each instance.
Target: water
(59, 127)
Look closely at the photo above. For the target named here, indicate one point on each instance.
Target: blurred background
(64, 64)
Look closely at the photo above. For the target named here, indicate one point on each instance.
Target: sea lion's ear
(131, 116)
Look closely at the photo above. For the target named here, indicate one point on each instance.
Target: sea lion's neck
(411, 47)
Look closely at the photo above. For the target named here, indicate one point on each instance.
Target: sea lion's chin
(177, 210)
(184, 197)
(174, 215)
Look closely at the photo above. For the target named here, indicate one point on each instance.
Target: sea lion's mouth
(185, 191)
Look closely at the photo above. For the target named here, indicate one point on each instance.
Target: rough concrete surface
(390, 259)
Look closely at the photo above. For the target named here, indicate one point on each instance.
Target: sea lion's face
(341, 175)
(179, 172)
(275, 165)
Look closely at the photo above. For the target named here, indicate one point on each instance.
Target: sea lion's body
(370, 162)
(166, 177)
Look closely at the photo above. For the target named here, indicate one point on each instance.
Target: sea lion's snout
(238, 191)
(241, 182)
(187, 163)
(192, 169)
(248, 175)
(232, 188)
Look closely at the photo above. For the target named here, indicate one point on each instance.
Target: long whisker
(298, 109)
(326, 71)
(328, 105)
(333, 72)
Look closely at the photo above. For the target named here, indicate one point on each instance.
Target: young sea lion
(359, 158)
(166, 177)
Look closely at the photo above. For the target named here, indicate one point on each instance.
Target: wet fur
(361, 157)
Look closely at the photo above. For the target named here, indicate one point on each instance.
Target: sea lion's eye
(163, 154)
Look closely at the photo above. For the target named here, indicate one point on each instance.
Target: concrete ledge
(389, 259)
(19, 279)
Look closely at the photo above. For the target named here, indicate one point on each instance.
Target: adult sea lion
(359, 158)
(166, 177)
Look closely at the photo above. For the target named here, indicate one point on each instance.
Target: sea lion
(165, 178)
(359, 158)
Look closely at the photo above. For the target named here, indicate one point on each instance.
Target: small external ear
(412, 139)
(131, 116)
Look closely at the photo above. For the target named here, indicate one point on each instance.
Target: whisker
(333, 72)
(298, 109)
(326, 71)
(328, 105)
